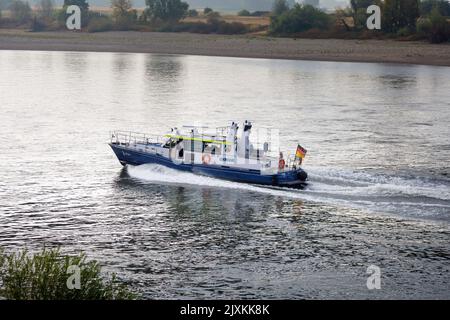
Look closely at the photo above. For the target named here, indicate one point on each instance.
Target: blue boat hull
(293, 179)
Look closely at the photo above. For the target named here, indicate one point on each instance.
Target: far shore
(246, 46)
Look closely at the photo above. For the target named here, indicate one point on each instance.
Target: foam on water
(157, 173)
(346, 182)
(377, 193)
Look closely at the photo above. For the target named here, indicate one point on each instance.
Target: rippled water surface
(378, 158)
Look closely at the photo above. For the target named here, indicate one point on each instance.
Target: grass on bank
(44, 276)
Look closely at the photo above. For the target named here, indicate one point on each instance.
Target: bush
(99, 23)
(423, 27)
(126, 21)
(440, 29)
(207, 10)
(223, 27)
(260, 13)
(435, 27)
(404, 32)
(213, 14)
(192, 13)
(212, 26)
(244, 13)
(44, 276)
(299, 19)
(38, 25)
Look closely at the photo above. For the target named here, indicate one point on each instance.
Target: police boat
(229, 153)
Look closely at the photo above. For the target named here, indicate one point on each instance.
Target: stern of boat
(296, 178)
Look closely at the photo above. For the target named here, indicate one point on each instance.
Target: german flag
(301, 152)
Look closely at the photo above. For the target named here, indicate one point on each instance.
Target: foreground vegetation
(403, 19)
(44, 276)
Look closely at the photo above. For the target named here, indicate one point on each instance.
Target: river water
(378, 159)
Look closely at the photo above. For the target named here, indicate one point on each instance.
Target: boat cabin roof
(203, 138)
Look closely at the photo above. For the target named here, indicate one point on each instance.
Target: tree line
(414, 19)
(159, 15)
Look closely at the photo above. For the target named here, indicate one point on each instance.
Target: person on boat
(281, 162)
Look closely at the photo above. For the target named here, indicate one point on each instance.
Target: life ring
(281, 164)
(206, 158)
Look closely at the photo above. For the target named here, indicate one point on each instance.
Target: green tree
(360, 4)
(166, 10)
(123, 15)
(279, 7)
(192, 13)
(244, 13)
(20, 11)
(341, 16)
(426, 6)
(45, 8)
(440, 28)
(399, 14)
(121, 7)
(359, 8)
(300, 18)
(207, 11)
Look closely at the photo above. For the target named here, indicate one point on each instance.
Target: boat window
(212, 148)
(171, 143)
(194, 146)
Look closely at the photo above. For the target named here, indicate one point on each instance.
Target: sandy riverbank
(232, 46)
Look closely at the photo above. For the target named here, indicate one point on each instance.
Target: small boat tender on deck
(220, 153)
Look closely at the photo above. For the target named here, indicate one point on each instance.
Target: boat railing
(205, 130)
(292, 162)
(130, 137)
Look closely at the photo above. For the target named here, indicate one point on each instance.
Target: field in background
(226, 16)
(250, 21)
